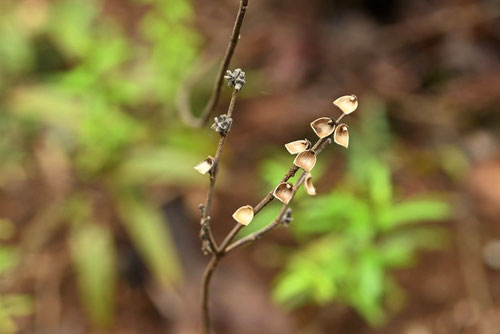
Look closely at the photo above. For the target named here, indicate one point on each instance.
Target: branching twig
(226, 245)
(279, 219)
(183, 104)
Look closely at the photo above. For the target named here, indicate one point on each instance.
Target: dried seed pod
(347, 103)
(205, 166)
(323, 127)
(298, 146)
(309, 185)
(341, 135)
(244, 215)
(284, 192)
(305, 160)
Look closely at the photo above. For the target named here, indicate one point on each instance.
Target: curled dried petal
(284, 192)
(323, 127)
(205, 166)
(347, 103)
(305, 160)
(341, 135)
(298, 146)
(244, 215)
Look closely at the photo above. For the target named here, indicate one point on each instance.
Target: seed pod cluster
(323, 127)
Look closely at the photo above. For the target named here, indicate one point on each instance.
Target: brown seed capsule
(284, 192)
(341, 135)
(323, 127)
(205, 166)
(244, 215)
(347, 103)
(298, 146)
(305, 160)
(309, 185)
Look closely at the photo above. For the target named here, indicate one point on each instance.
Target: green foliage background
(78, 86)
(95, 97)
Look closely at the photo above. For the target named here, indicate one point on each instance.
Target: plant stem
(205, 308)
(226, 245)
(184, 107)
(205, 217)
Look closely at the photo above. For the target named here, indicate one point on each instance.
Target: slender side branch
(321, 144)
(269, 227)
(317, 148)
(183, 103)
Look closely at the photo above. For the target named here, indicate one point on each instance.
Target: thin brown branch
(183, 101)
(205, 216)
(205, 290)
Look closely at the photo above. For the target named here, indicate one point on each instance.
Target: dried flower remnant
(284, 192)
(222, 124)
(298, 146)
(347, 103)
(341, 135)
(323, 127)
(244, 215)
(205, 166)
(310, 189)
(305, 160)
(235, 79)
(206, 245)
(287, 217)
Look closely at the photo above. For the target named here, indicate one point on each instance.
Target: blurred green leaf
(149, 232)
(16, 304)
(94, 259)
(7, 324)
(416, 210)
(160, 165)
(47, 105)
(71, 24)
(293, 287)
(370, 288)
(380, 183)
(9, 257)
(333, 212)
(396, 252)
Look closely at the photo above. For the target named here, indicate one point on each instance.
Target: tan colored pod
(341, 135)
(347, 103)
(310, 189)
(244, 215)
(205, 166)
(305, 160)
(298, 146)
(323, 127)
(284, 192)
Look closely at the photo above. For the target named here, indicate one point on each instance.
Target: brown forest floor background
(437, 66)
